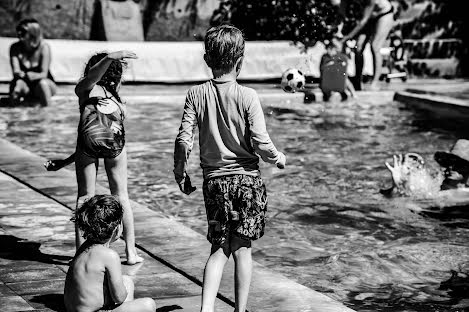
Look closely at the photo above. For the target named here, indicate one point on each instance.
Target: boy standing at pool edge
(232, 131)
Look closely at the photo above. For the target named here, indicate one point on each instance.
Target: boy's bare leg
(86, 170)
(212, 276)
(129, 286)
(242, 254)
(116, 169)
(349, 86)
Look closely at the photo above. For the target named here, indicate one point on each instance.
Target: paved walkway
(35, 228)
(37, 242)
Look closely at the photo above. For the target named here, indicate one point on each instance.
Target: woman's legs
(86, 169)
(213, 272)
(361, 44)
(241, 250)
(381, 31)
(44, 90)
(116, 170)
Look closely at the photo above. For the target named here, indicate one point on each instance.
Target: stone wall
(60, 19)
(71, 19)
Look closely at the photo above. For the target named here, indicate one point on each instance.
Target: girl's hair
(98, 217)
(30, 26)
(113, 75)
(224, 45)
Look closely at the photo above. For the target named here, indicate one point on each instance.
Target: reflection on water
(329, 228)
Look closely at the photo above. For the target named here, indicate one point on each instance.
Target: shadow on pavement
(14, 248)
(169, 308)
(54, 302)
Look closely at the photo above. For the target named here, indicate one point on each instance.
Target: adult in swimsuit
(374, 26)
(30, 60)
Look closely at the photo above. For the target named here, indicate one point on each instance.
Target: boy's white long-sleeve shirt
(232, 130)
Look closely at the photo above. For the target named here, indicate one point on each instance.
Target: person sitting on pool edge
(412, 178)
(30, 60)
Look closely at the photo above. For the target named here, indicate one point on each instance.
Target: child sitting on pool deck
(94, 279)
(231, 130)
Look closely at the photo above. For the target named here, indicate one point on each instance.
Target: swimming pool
(329, 228)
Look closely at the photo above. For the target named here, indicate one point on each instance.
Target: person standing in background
(373, 26)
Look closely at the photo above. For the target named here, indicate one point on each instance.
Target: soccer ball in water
(292, 80)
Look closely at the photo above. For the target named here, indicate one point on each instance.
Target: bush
(302, 21)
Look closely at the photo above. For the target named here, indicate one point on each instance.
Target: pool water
(329, 228)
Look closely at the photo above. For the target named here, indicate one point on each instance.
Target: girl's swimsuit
(101, 135)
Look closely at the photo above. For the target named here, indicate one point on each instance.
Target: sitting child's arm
(56, 164)
(260, 139)
(116, 287)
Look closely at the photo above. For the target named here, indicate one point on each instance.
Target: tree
(302, 21)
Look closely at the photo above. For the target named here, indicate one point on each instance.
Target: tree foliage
(303, 21)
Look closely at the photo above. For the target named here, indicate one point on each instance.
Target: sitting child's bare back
(94, 279)
(86, 285)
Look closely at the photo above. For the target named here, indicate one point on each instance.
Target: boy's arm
(260, 139)
(350, 87)
(183, 146)
(116, 286)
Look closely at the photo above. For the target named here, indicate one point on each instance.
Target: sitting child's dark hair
(98, 217)
(224, 45)
(113, 75)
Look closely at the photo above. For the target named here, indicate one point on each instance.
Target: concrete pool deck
(35, 208)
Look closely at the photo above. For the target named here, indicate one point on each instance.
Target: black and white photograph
(234, 155)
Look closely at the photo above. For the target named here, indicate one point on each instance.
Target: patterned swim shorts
(235, 205)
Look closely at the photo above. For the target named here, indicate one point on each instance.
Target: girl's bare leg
(116, 170)
(212, 276)
(86, 170)
(241, 250)
(382, 28)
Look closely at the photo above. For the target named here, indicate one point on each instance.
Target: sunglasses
(21, 33)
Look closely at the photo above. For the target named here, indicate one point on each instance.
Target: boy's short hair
(98, 217)
(224, 45)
